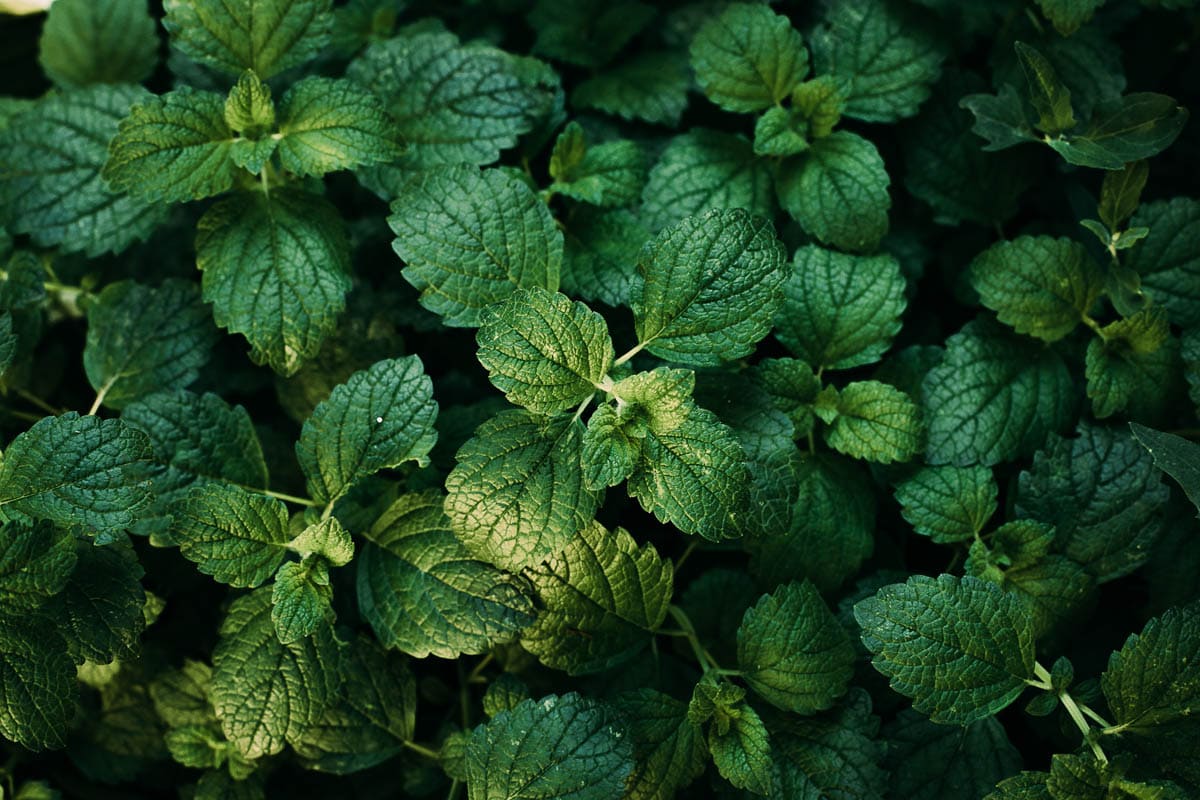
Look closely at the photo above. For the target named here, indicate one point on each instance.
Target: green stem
(1095, 326)
(1094, 717)
(479, 668)
(100, 395)
(39, 402)
(633, 351)
(705, 659)
(25, 415)
(287, 498)
(691, 548)
(582, 408)
(1081, 723)
(423, 750)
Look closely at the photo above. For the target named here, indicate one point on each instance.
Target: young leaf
(1120, 193)
(378, 419)
(559, 746)
(820, 102)
(948, 504)
(267, 36)
(1132, 365)
(98, 41)
(960, 647)
(1050, 99)
(608, 454)
(276, 271)
(737, 739)
(1167, 259)
(709, 289)
(328, 125)
(931, 762)
(667, 748)
(39, 683)
(1155, 677)
(78, 471)
(424, 594)
(249, 109)
(1175, 456)
(238, 537)
(875, 422)
(300, 600)
(792, 650)
(35, 562)
(791, 386)
(1130, 128)
(543, 351)
(470, 238)
(599, 599)
(325, 538)
(780, 132)
(748, 58)
(651, 86)
(838, 192)
(1000, 118)
(607, 174)
(840, 311)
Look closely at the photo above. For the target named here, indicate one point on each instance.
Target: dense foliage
(530, 399)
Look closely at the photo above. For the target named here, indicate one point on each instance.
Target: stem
(1095, 326)
(1081, 723)
(683, 558)
(630, 354)
(287, 498)
(39, 402)
(1092, 715)
(475, 673)
(328, 512)
(423, 750)
(682, 618)
(25, 415)
(582, 407)
(455, 786)
(100, 395)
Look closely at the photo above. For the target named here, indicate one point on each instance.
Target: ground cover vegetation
(529, 399)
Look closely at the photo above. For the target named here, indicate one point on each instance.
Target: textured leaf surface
(327, 125)
(606, 174)
(1167, 259)
(600, 255)
(930, 762)
(668, 750)
(587, 33)
(1134, 367)
(1155, 677)
(835, 754)
(37, 686)
(748, 58)
(875, 422)
(236, 536)
(300, 600)
(98, 41)
(948, 504)
(737, 738)
(35, 562)
(1175, 456)
(647, 86)
(100, 611)
(1123, 130)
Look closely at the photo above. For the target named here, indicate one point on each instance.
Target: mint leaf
(1175, 456)
(839, 310)
(300, 599)
(181, 696)
(737, 739)
(780, 132)
(1155, 677)
(948, 504)
(100, 610)
(1132, 365)
(1049, 97)
(1166, 259)
(820, 102)
(790, 385)
(98, 41)
(709, 288)
(1000, 118)
(652, 87)
(792, 650)
(1039, 285)
(875, 422)
(50, 163)
(517, 496)
(327, 125)
(249, 108)
(471, 238)
(543, 351)
(748, 58)
(275, 270)
(325, 538)
(378, 419)
(422, 591)
(35, 562)
(267, 36)
(141, 340)
(607, 174)
(1130, 128)
(1069, 15)
(668, 750)
(608, 454)
(838, 192)
(38, 681)
(600, 254)
(929, 761)
(78, 470)
(599, 599)
(587, 33)
(1120, 193)
(960, 647)
(558, 747)
(173, 147)
(834, 754)
(238, 537)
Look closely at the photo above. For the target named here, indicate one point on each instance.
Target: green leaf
(607, 174)
(588, 33)
(780, 132)
(300, 600)
(173, 147)
(668, 750)
(1132, 365)
(651, 86)
(701, 170)
(35, 562)
(98, 41)
(1069, 16)
(236, 536)
(423, 593)
(517, 496)
(325, 538)
(600, 254)
(1057, 591)
(821, 102)
(657, 401)
(931, 762)
(609, 454)
(504, 694)
(1121, 192)
(875, 422)
(557, 747)
(1130, 128)
(1039, 285)
(100, 610)
(885, 53)
(276, 271)
(50, 163)
(709, 288)
(993, 397)
(249, 109)
(267, 36)
(196, 746)
(791, 386)
(793, 652)
(1155, 677)
(960, 647)
(181, 696)
(472, 238)
(38, 680)
(737, 739)
(543, 351)
(1102, 494)
(835, 754)
(1167, 259)
(838, 192)
(1175, 456)
(1050, 99)
(839, 310)
(599, 600)
(948, 504)
(142, 340)
(748, 58)
(379, 418)
(265, 692)
(78, 471)
(1000, 118)
(327, 125)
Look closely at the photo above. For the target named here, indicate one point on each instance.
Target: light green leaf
(650, 86)
(1175, 456)
(668, 750)
(504, 694)
(173, 147)
(557, 747)
(328, 125)
(249, 109)
(543, 351)
(267, 36)
(820, 102)
(737, 738)
(276, 271)
(51, 158)
(792, 650)
(932, 762)
(100, 610)
(1155, 677)
(838, 192)
(196, 746)
(181, 696)
(1039, 285)
(948, 504)
(599, 600)
(748, 58)
(35, 562)
(839, 310)
(960, 647)
(37, 698)
(658, 401)
(325, 538)
(78, 470)
(607, 174)
(300, 600)
(1132, 365)
(422, 591)
(1168, 259)
(1049, 97)
(265, 692)
(517, 496)
(236, 536)
(780, 132)
(993, 397)
(379, 418)
(98, 41)
(141, 340)
(701, 170)
(876, 422)
(471, 238)
(609, 454)
(1130, 128)
(709, 288)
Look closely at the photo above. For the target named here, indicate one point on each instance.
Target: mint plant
(600, 400)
